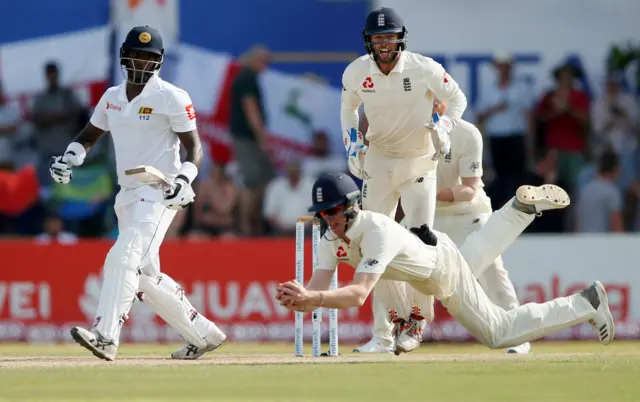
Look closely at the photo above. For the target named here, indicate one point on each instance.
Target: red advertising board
(45, 289)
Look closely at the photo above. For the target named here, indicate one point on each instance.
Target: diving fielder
(463, 208)
(431, 263)
(396, 87)
(148, 119)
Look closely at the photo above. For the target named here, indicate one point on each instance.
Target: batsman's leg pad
(119, 284)
(167, 299)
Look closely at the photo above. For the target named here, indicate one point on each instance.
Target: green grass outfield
(578, 371)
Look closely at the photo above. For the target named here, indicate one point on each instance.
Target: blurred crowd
(566, 136)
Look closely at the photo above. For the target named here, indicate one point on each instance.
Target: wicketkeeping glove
(181, 195)
(439, 137)
(356, 150)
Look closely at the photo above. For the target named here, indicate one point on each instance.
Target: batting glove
(60, 169)
(181, 195)
(60, 166)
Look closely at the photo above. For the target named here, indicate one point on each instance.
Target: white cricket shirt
(464, 160)
(398, 105)
(143, 130)
(379, 245)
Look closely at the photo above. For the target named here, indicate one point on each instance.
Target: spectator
(18, 194)
(545, 172)
(250, 138)
(563, 114)
(56, 112)
(634, 196)
(615, 124)
(53, 232)
(321, 161)
(216, 203)
(505, 112)
(600, 203)
(286, 199)
(10, 121)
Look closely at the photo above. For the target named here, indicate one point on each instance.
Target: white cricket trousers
(412, 179)
(132, 265)
(495, 279)
(466, 301)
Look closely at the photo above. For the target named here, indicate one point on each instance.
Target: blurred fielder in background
(148, 119)
(396, 87)
(430, 262)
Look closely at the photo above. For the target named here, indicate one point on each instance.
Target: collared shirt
(463, 161)
(284, 203)
(519, 98)
(379, 245)
(144, 129)
(398, 105)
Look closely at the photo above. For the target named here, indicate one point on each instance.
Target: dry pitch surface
(582, 371)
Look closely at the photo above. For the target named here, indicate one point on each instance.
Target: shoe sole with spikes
(547, 196)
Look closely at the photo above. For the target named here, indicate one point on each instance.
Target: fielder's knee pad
(126, 251)
(167, 299)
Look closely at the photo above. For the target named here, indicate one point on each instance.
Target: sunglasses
(333, 212)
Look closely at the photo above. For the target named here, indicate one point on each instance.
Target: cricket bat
(150, 175)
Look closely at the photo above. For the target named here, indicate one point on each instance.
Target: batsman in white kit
(148, 119)
(396, 86)
(378, 247)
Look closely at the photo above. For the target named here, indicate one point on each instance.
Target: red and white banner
(46, 289)
(83, 58)
(295, 106)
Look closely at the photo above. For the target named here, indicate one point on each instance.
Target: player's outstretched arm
(295, 296)
(320, 279)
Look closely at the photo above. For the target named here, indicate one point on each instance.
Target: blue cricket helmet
(333, 189)
(384, 21)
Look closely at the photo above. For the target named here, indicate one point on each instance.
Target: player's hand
(356, 162)
(60, 166)
(293, 293)
(439, 137)
(60, 169)
(356, 150)
(181, 196)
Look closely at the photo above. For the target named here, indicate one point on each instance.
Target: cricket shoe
(602, 322)
(96, 343)
(191, 352)
(409, 333)
(520, 349)
(375, 345)
(534, 200)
